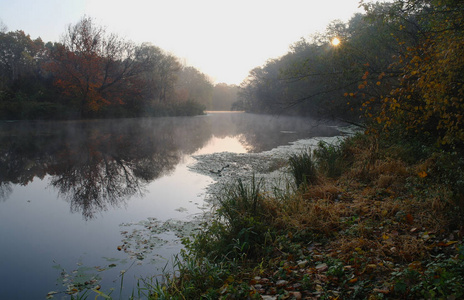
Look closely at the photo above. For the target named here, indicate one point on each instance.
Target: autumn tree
(429, 99)
(93, 68)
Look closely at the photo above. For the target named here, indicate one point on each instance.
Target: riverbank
(372, 226)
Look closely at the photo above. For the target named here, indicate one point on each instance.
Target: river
(106, 201)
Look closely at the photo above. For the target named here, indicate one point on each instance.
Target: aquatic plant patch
(141, 239)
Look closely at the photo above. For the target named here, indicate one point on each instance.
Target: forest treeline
(91, 73)
(399, 63)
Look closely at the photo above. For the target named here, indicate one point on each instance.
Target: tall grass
(238, 228)
(303, 168)
(329, 159)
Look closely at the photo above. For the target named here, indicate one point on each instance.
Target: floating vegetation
(78, 281)
(141, 239)
(181, 209)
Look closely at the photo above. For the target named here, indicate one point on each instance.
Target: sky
(224, 39)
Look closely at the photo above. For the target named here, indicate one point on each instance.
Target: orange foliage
(92, 69)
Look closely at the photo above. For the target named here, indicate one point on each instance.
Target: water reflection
(100, 164)
(95, 165)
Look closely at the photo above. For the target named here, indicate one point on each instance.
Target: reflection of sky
(37, 227)
(227, 144)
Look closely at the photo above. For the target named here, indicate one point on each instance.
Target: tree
(224, 96)
(160, 73)
(93, 68)
(429, 99)
(3, 27)
(194, 85)
(313, 77)
(19, 56)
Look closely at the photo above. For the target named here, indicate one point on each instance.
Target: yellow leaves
(359, 250)
(394, 104)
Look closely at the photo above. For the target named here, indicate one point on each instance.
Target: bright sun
(335, 41)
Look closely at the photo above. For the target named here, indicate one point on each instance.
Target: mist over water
(89, 193)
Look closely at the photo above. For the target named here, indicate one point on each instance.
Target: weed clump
(303, 168)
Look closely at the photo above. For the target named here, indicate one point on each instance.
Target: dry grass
(369, 212)
(320, 216)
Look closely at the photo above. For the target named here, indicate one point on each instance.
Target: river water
(105, 202)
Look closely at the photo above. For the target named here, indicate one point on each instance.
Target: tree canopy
(397, 68)
(93, 73)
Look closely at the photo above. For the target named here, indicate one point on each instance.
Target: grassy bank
(365, 220)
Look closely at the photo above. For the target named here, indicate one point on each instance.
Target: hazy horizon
(222, 39)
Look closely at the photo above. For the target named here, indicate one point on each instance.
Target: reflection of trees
(5, 190)
(96, 165)
(104, 170)
(99, 164)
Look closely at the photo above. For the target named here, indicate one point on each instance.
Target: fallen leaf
(443, 244)
(422, 174)
(382, 291)
(409, 218)
(353, 280)
(322, 267)
(415, 265)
